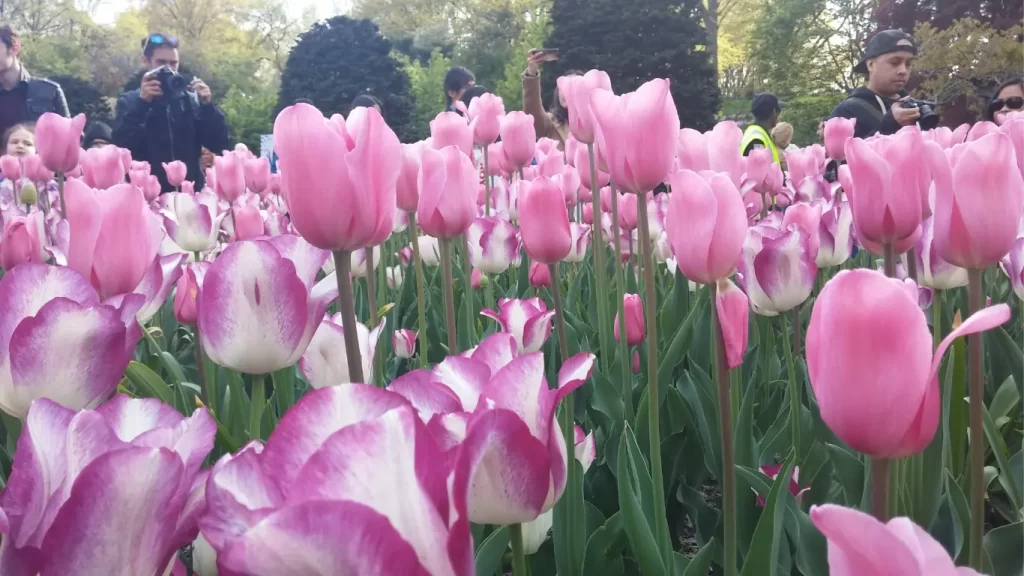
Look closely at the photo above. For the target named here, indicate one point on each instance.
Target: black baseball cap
(885, 42)
(764, 104)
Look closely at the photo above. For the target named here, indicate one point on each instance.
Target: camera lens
(176, 83)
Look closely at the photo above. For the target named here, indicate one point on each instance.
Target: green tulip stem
(794, 391)
(421, 304)
(371, 296)
(975, 383)
(620, 290)
(936, 319)
(449, 295)
(467, 293)
(515, 533)
(568, 413)
(912, 264)
(60, 193)
(256, 402)
(346, 302)
(653, 395)
(889, 258)
(725, 429)
(599, 266)
(880, 488)
(487, 182)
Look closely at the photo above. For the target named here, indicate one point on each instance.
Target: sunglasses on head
(160, 40)
(1014, 103)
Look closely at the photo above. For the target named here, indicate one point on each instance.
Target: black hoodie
(866, 107)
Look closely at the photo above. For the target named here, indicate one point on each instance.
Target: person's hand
(533, 61)
(150, 88)
(201, 90)
(905, 116)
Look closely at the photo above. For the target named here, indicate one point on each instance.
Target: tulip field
(635, 352)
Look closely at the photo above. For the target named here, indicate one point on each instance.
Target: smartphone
(549, 54)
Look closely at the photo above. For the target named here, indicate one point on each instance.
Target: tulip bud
(185, 291)
(404, 343)
(28, 193)
(635, 329)
(540, 276)
(636, 361)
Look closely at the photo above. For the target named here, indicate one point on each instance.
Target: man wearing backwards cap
(887, 63)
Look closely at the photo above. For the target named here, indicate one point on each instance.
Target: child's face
(21, 143)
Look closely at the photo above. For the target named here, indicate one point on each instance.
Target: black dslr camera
(929, 119)
(172, 83)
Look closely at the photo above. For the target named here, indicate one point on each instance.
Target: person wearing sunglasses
(167, 119)
(1009, 97)
(24, 98)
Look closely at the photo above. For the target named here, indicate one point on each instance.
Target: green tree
(338, 59)
(426, 84)
(534, 34)
(249, 115)
(648, 39)
(84, 98)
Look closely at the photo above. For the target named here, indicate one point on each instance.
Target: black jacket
(863, 104)
(39, 95)
(160, 132)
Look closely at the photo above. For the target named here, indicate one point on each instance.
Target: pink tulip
(114, 236)
(582, 164)
(33, 169)
(308, 485)
(544, 222)
(518, 139)
(1013, 266)
(777, 269)
(229, 172)
(635, 330)
(838, 131)
(451, 129)
(324, 363)
(807, 217)
(151, 188)
(870, 362)
(724, 150)
(979, 198)
(540, 275)
(257, 174)
(82, 500)
(10, 167)
(706, 226)
(274, 183)
(580, 242)
(257, 288)
(577, 90)
(638, 131)
(57, 140)
(408, 195)
(496, 161)
(193, 220)
(21, 242)
(758, 164)
(569, 182)
(176, 172)
(77, 361)
(340, 189)
(187, 290)
(528, 321)
(835, 236)
(932, 271)
(636, 361)
(493, 244)
(485, 113)
(692, 150)
(882, 184)
(248, 223)
(733, 311)
(897, 547)
(103, 167)
(980, 130)
(404, 343)
(584, 447)
(447, 185)
(773, 471)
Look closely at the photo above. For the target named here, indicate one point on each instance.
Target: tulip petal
(88, 534)
(157, 283)
(576, 370)
(858, 544)
(308, 259)
(466, 377)
(239, 494)
(315, 417)
(322, 539)
(733, 313)
(426, 395)
(496, 351)
(980, 321)
(536, 331)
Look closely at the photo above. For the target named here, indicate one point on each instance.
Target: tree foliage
(249, 115)
(338, 59)
(534, 34)
(604, 34)
(426, 82)
(84, 98)
(941, 14)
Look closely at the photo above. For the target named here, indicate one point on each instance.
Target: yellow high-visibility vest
(755, 133)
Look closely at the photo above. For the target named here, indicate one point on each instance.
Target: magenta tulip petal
(980, 321)
(239, 494)
(466, 377)
(496, 351)
(315, 417)
(88, 534)
(506, 466)
(323, 539)
(860, 545)
(536, 331)
(426, 395)
(733, 312)
(157, 283)
(576, 370)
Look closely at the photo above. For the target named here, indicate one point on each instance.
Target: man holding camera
(167, 119)
(883, 106)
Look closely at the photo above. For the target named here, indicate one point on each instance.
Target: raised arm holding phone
(553, 122)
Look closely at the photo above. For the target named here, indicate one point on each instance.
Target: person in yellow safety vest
(766, 108)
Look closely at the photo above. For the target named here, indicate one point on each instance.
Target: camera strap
(879, 114)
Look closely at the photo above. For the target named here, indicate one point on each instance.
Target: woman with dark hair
(1009, 97)
(369, 101)
(456, 81)
(554, 122)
